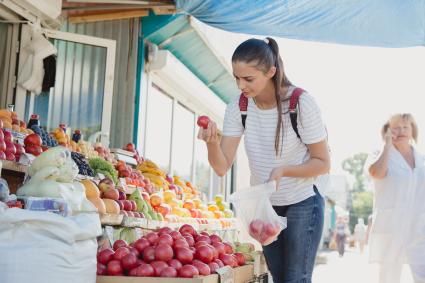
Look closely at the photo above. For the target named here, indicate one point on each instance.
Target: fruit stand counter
(14, 174)
(242, 274)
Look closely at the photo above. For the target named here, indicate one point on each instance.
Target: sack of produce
(254, 209)
(41, 247)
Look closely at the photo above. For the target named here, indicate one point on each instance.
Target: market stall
(137, 205)
(84, 201)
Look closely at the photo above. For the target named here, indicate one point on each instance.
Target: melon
(92, 190)
(100, 205)
(112, 206)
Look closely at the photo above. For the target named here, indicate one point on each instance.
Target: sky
(357, 88)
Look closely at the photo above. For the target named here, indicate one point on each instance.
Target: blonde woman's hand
(389, 137)
(211, 135)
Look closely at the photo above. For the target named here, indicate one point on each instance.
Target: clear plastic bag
(4, 190)
(256, 212)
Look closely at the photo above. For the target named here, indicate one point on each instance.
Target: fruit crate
(14, 166)
(127, 279)
(111, 219)
(133, 222)
(243, 274)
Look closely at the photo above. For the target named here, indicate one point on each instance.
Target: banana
(157, 180)
(152, 171)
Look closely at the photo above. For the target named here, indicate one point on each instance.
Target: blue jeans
(290, 258)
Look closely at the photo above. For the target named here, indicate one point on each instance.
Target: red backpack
(293, 102)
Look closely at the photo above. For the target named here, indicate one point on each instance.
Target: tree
(354, 165)
(362, 207)
(360, 201)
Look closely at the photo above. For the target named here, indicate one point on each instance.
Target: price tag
(123, 183)
(226, 274)
(26, 158)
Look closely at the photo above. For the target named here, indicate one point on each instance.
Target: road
(352, 268)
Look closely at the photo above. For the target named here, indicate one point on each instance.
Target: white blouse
(398, 227)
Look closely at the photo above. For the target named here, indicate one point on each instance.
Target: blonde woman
(398, 229)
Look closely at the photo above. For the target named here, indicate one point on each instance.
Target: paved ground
(352, 268)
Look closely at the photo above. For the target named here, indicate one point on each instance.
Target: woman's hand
(210, 135)
(276, 175)
(389, 137)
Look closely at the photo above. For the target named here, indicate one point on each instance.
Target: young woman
(398, 230)
(276, 153)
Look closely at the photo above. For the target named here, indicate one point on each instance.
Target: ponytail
(279, 80)
(265, 53)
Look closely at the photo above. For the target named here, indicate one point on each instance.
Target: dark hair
(265, 54)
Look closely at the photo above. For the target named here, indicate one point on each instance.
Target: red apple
(2, 145)
(114, 268)
(133, 205)
(130, 147)
(10, 156)
(255, 228)
(168, 272)
(124, 173)
(7, 135)
(33, 149)
(240, 258)
(122, 195)
(106, 184)
(119, 244)
(19, 149)
(33, 139)
(2, 155)
(111, 194)
(10, 147)
(105, 255)
(127, 205)
(121, 252)
(203, 121)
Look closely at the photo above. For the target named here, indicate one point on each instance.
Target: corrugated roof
(176, 34)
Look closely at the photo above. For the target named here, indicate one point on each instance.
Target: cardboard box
(127, 279)
(243, 274)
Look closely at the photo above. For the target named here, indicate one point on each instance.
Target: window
(77, 98)
(202, 168)
(184, 129)
(82, 95)
(158, 127)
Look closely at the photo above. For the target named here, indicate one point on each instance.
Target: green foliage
(100, 165)
(355, 165)
(362, 206)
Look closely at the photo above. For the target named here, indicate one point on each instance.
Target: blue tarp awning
(382, 23)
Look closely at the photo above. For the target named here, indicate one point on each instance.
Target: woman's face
(250, 80)
(401, 130)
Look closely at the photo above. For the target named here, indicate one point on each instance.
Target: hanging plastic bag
(254, 208)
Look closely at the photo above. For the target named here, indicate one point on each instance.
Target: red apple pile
(7, 148)
(104, 152)
(32, 144)
(263, 231)
(132, 176)
(132, 148)
(168, 253)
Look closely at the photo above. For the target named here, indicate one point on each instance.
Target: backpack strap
(293, 113)
(243, 107)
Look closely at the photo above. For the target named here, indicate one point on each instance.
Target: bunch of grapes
(47, 140)
(83, 166)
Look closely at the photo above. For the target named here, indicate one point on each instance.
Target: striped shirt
(259, 134)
